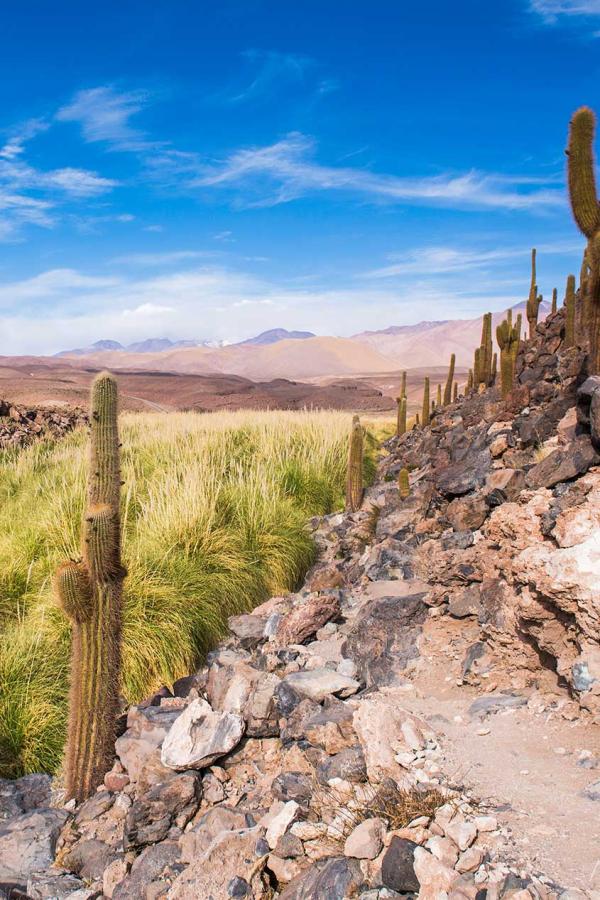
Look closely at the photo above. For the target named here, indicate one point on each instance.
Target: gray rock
(564, 464)
(335, 878)
(146, 730)
(164, 806)
(465, 603)
(147, 870)
(592, 791)
(28, 843)
(292, 786)
(88, 859)
(316, 684)
(53, 885)
(493, 703)
(588, 408)
(465, 476)
(397, 866)
(199, 736)
(289, 846)
(215, 821)
(384, 639)
(348, 764)
(250, 630)
(23, 794)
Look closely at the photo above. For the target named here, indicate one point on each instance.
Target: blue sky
(208, 170)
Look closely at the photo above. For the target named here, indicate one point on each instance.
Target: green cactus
(570, 301)
(403, 385)
(476, 368)
(401, 418)
(494, 369)
(508, 337)
(449, 380)
(554, 306)
(438, 396)
(426, 416)
(417, 422)
(455, 392)
(533, 301)
(403, 484)
(90, 593)
(470, 381)
(354, 480)
(586, 212)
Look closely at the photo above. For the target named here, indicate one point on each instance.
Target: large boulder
(168, 805)
(334, 878)
(384, 638)
(564, 464)
(28, 844)
(226, 869)
(146, 730)
(199, 736)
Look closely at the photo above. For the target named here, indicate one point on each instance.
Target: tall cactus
(426, 411)
(449, 380)
(403, 384)
(533, 301)
(570, 301)
(90, 593)
(586, 212)
(554, 306)
(470, 381)
(401, 417)
(455, 392)
(482, 363)
(508, 337)
(438, 396)
(354, 479)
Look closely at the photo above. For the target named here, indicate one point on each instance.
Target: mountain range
(279, 353)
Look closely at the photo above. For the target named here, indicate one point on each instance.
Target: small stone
(482, 731)
(485, 823)
(366, 840)
(320, 683)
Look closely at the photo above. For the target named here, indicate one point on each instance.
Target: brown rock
(306, 619)
(467, 513)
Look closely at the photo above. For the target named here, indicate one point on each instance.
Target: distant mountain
(98, 347)
(156, 345)
(274, 335)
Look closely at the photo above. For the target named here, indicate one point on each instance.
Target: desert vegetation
(214, 510)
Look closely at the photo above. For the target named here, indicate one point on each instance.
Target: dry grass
(214, 513)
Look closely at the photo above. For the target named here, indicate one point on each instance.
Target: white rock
(199, 736)
(366, 840)
(435, 878)
(320, 683)
(443, 849)
(281, 822)
(462, 833)
(485, 823)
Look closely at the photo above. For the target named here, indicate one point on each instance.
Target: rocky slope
(376, 734)
(20, 425)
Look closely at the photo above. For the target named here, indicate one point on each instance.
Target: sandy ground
(525, 768)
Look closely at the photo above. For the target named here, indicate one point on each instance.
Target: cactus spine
(354, 480)
(449, 380)
(586, 212)
(554, 301)
(570, 301)
(426, 412)
(403, 484)
(90, 593)
(401, 419)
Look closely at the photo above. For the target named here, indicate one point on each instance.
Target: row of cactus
(90, 592)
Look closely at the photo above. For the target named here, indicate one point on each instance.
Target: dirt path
(526, 762)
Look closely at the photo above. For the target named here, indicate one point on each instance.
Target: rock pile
(290, 765)
(20, 425)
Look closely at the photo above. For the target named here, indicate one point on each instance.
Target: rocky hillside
(419, 720)
(20, 425)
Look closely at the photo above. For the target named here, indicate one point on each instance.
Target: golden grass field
(214, 521)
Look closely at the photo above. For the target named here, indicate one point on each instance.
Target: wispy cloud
(287, 170)
(161, 259)
(104, 115)
(433, 261)
(552, 11)
(272, 71)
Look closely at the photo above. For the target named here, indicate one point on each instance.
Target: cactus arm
(581, 175)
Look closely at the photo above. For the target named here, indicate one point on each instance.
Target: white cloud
(161, 259)
(432, 261)
(64, 308)
(552, 10)
(285, 171)
(103, 114)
